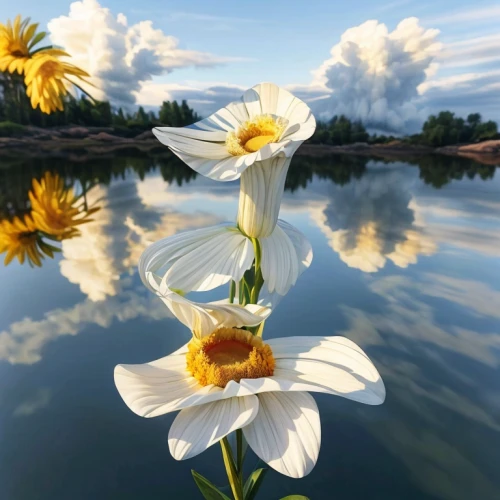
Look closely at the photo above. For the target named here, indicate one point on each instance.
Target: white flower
(233, 380)
(207, 258)
(261, 131)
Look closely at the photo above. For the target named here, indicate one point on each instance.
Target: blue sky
(285, 42)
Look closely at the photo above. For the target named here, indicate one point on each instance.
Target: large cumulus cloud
(374, 74)
(118, 56)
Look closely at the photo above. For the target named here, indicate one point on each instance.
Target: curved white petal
(285, 255)
(301, 244)
(198, 260)
(201, 143)
(333, 365)
(261, 190)
(268, 98)
(286, 434)
(159, 387)
(203, 318)
(197, 428)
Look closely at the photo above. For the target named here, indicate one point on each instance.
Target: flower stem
(235, 479)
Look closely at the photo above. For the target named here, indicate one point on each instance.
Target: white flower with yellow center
(207, 258)
(232, 380)
(254, 139)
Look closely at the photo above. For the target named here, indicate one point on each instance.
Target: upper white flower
(232, 380)
(266, 116)
(254, 138)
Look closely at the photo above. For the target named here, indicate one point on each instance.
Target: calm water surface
(406, 264)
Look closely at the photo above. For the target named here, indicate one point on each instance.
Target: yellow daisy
(56, 210)
(17, 41)
(20, 238)
(46, 79)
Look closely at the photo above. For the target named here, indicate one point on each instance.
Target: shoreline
(79, 141)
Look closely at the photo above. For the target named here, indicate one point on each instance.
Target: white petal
(301, 244)
(261, 190)
(158, 387)
(201, 143)
(203, 318)
(196, 429)
(212, 263)
(286, 434)
(286, 254)
(199, 260)
(334, 365)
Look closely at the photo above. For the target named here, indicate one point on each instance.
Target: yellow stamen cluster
(55, 209)
(229, 354)
(255, 134)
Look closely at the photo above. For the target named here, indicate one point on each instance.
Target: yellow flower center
(18, 49)
(255, 134)
(229, 354)
(50, 69)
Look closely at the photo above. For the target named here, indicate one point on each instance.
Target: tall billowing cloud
(119, 57)
(374, 75)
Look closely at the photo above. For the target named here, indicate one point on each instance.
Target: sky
(389, 63)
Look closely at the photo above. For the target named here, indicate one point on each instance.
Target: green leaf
(38, 38)
(295, 497)
(208, 489)
(253, 483)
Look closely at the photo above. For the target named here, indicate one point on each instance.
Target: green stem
(232, 291)
(239, 454)
(235, 480)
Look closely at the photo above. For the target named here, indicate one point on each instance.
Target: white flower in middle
(207, 258)
(254, 138)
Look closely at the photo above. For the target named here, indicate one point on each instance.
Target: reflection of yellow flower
(46, 78)
(55, 209)
(19, 238)
(16, 42)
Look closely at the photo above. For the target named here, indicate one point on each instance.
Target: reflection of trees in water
(340, 169)
(441, 170)
(16, 178)
(16, 175)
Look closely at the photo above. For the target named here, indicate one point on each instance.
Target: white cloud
(489, 13)
(373, 74)
(119, 57)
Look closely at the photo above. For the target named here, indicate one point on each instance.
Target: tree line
(439, 130)
(83, 111)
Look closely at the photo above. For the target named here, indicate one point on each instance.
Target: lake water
(406, 264)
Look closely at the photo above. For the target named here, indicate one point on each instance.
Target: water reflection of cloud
(439, 375)
(36, 402)
(462, 216)
(372, 220)
(23, 341)
(171, 223)
(132, 216)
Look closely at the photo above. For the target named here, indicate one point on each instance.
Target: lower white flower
(232, 380)
(207, 258)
